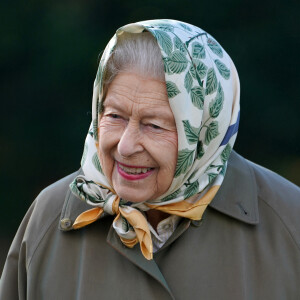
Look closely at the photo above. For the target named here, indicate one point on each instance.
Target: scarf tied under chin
(130, 222)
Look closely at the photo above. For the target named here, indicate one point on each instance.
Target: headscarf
(203, 90)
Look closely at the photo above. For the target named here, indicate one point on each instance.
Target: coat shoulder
(281, 196)
(274, 188)
(47, 209)
(52, 197)
(50, 201)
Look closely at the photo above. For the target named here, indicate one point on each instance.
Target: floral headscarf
(203, 91)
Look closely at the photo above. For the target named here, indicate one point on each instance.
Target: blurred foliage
(48, 60)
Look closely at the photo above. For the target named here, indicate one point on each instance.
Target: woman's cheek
(110, 127)
(108, 139)
(164, 149)
(166, 140)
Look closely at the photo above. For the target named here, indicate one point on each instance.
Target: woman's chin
(133, 195)
(134, 189)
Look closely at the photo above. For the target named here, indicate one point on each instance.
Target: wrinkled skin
(137, 128)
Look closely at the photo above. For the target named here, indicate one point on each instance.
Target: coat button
(65, 223)
(197, 223)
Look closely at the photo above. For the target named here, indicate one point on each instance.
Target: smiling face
(138, 138)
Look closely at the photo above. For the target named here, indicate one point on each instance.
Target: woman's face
(138, 138)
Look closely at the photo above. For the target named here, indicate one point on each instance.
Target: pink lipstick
(132, 176)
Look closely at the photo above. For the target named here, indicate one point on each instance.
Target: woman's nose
(130, 141)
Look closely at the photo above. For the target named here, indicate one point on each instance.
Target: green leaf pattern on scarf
(212, 176)
(172, 89)
(188, 81)
(166, 66)
(191, 133)
(197, 96)
(216, 105)
(212, 131)
(177, 62)
(215, 47)
(85, 151)
(198, 68)
(224, 71)
(164, 26)
(191, 189)
(164, 41)
(171, 196)
(179, 45)
(211, 84)
(96, 163)
(200, 150)
(184, 160)
(95, 129)
(198, 50)
(185, 26)
(226, 153)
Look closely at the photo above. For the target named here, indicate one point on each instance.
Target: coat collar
(238, 195)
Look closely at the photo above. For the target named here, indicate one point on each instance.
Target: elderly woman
(167, 209)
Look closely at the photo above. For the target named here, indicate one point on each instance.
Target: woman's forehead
(134, 88)
(129, 94)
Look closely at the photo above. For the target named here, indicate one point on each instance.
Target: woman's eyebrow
(154, 113)
(113, 103)
(158, 113)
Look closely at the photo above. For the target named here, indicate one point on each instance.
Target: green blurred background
(48, 60)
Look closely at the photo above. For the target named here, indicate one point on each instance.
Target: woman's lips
(133, 172)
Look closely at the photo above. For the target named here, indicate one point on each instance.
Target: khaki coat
(247, 246)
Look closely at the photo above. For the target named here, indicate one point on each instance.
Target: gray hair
(138, 53)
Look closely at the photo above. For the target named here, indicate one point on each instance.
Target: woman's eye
(155, 126)
(114, 116)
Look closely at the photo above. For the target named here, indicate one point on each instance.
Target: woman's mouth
(132, 172)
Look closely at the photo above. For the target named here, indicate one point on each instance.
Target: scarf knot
(129, 223)
(96, 195)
